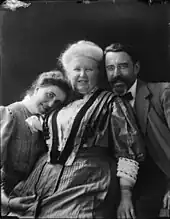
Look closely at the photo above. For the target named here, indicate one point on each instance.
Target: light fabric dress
(20, 147)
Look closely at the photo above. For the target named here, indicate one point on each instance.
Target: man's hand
(21, 203)
(166, 200)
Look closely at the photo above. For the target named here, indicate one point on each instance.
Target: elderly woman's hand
(166, 200)
(125, 209)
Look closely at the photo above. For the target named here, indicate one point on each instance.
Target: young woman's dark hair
(55, 78)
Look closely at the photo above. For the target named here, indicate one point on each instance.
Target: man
(151, 103)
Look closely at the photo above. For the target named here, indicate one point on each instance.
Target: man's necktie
(128, 96)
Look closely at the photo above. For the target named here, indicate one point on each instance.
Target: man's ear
(137, 68)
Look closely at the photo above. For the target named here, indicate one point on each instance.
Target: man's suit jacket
(152, 106)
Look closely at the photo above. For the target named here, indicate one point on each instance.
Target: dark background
(32, 38)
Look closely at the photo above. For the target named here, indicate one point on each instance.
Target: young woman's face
(47, 97)
(83, 74)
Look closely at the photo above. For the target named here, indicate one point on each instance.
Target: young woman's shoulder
(15, 106)
(11, 110)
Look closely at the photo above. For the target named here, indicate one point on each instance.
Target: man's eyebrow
(122, 63)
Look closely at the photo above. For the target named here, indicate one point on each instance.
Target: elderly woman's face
(83, 74)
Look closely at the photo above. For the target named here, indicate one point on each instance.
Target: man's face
(121, 71)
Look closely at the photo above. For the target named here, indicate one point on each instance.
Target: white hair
(81, 48)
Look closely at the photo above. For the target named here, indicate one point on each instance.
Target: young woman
(21, 143)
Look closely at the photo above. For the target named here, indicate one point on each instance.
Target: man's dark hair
(118, 47)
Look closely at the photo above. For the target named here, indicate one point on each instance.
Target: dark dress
(88, 184)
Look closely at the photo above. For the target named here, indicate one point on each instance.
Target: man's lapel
(142, 102)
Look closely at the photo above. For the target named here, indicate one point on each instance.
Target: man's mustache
(118, 79)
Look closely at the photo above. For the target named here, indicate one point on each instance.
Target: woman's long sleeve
(128, 142)
(7, 123)
(126, 135)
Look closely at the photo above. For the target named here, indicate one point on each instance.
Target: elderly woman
(21, 141)
(97, 144)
